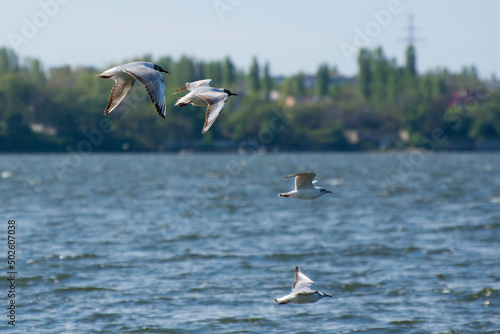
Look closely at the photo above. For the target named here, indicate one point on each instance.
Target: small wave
(78, 256)
(350, 287)
(406, 322)
(59, 277)
(397, 292)
(411, 249)
(164, 298)
(495, 199)
(26, 281)
(439, 251)
(155, 330)
(6, 174)
(106, 316)
(373, 250)
(83, 288)
(191, 256)
(193, 236)
(286, 257)
(232, 320)
(483, 293)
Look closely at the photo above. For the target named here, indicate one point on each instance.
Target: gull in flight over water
(201, 95)
(304, 188)
(301, 291)
(148, 74)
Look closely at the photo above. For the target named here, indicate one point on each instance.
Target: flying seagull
(148, 74)
(304, 188)
(301, 293)
(200, 95)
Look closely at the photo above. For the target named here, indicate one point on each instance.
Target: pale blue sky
(292, 35)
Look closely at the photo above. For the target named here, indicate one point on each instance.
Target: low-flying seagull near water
(304, 188)
(200, 95)
(301, 293)
(148, 74)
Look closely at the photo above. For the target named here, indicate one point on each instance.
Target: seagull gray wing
(302, 282)
(193, 85)
(303, 180)
(152, 80)
(216, 102)
(118, 93)
(199, 83)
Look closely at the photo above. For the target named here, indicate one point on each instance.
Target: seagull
(148, 74)
(201, 94)
(304, 188)
(301, 293)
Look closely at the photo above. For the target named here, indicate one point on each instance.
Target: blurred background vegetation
(386, 106)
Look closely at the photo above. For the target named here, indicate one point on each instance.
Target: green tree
(36, 72)
(267, 83)
(380, 77)
(411, 67)
(9, 60)
(299, 87)
(410, 73)
(365, 73)
(486, 118)
(213, 70)
(228, 72)
(200, 68)
(286, 87)
(394, 76)
(184, 71)
(254, 78)
(322, 80)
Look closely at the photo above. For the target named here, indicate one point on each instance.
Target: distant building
(43, 129)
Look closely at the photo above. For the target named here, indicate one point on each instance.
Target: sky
(293, 36)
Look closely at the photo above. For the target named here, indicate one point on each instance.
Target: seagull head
(159, 69)
(323, 295)
(324, 191)
(228, 92)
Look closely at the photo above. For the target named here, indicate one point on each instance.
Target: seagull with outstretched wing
(301, 291)
(148, 74)
(304, 188)
(202, 94)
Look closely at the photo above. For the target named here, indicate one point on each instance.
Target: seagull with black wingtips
(148, 74)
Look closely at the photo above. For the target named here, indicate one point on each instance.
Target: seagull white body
(304, 188)
(301, 291)
(201, 95)
(148, 74)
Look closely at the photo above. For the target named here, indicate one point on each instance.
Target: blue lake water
(166, 243)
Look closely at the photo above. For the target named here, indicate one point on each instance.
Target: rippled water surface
(161, 243)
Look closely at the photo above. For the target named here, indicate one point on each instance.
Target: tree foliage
(61, 108)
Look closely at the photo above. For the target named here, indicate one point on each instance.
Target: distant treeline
(385, 106)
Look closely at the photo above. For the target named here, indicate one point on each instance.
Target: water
(161, 243)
